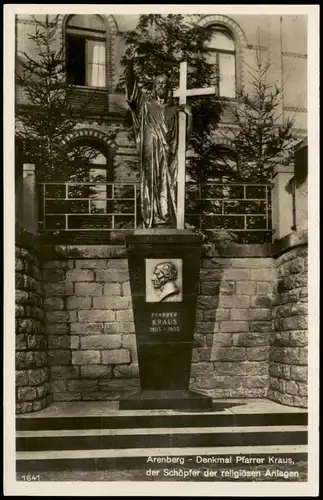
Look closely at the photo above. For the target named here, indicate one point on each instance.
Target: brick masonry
(250, 337)
(288, 343)
(33, 391)
(92, 345)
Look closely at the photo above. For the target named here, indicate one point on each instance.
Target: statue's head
(163, 273)
(160, 91)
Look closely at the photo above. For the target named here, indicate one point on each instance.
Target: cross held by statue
(182, 93)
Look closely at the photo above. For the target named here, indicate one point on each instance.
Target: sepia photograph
(161, 218)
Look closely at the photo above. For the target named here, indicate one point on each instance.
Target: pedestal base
(165, 399)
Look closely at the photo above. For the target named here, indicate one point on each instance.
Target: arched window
(86, 59)
(223, 57)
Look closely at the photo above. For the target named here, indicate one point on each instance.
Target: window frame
(223, 29)
(88, 34)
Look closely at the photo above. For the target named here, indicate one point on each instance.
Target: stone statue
(164, 280)
(155, 121)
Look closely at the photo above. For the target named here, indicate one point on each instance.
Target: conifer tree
(260, 138)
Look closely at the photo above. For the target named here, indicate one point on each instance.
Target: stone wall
(89, 323)
(32, 374)
(233, 327)
(288, 351)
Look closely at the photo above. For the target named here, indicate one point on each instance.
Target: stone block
(299, 373)
(58, 316)
(291, 387)
(113, 328)
(262, 301)
(97, 315)
(86, 328)
(79, 275)
(82, 385)
(281, 339)
(262, 274)
(218, 340)
(228, 354)
(88, 289)
(86, 357)
(245, 287)
(75, 342)
(78, 303)
(101, 342)
(290, 355)
(303, 356)
(235, 301)
(235, 274)
(209, 288)
(259, 313)
(207, 302)
(126, 289)
(292, 310)
(130, 371)
(127, 327)
(201, 354)
(220, 315)
(90, 263)
(260, 326)
(227, 287)
(112, 275)
(53, 303)
(96, 371)
(248, 339)
(21, 342)
(298, 338)
(58, 289)
(112, 289)
(292, 323)
(295, 266)
(125, 316)
(67, 396)
(59, 385)
(210, 275)
(234, 326)
(252, 263)
(202, 369)
(118, 303)
(66, 372)
(241, 392)
(55, 264)
(129, 341)
(302, 389)
(263, 287)
(206, 327)
(59, 342)
(257, 353)
(118, 263)
(116, 357)
(21, 378)
(59, 357)
(279, 370)
(26, 394)
(238, 314)
(57, 328)
(53, 275)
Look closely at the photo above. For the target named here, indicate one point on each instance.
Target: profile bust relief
(164, 282)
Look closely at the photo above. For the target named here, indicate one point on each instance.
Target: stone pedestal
(164, 273)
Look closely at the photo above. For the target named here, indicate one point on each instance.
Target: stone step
(159, 419)
(161, 437)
